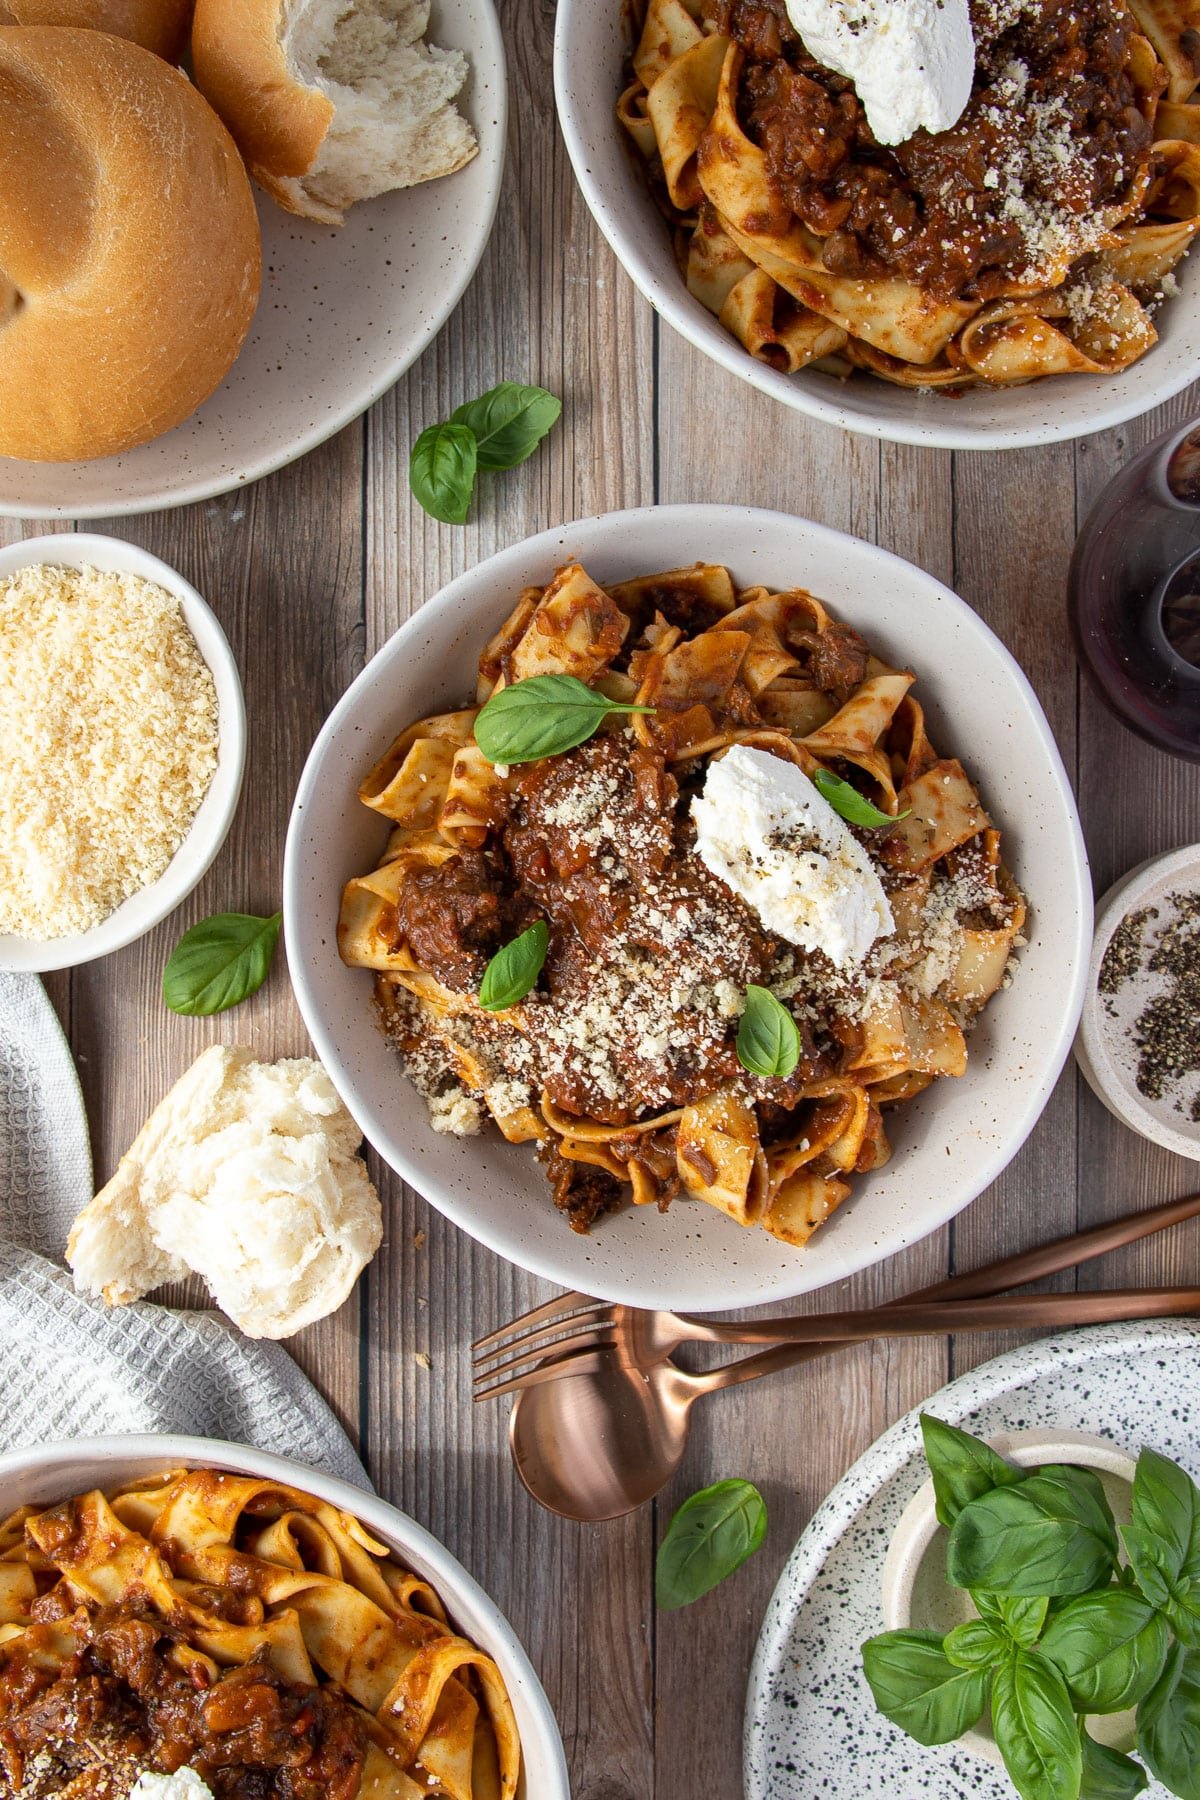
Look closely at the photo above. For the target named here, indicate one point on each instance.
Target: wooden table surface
(310, 571)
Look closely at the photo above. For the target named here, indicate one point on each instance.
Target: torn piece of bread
(247, 1174)
(332, 101)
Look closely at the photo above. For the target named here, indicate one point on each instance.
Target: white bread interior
(333, 101)
(245, 1173)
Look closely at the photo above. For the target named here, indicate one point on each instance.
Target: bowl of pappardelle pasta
(174, 1603)
(1021, 278)
(552, 1009)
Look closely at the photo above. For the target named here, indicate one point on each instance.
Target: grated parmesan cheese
(108, 716)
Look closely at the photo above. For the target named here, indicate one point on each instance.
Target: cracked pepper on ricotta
(677, 857)
(940, 193)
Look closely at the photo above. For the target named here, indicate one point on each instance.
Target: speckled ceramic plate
(343, 313)
(811, 1725)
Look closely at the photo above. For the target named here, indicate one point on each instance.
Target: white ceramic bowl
(949, 1143)
(137, 915)
(1104, 1049)
(916, 1592)
(344, 311)
(51, 1472)
(590, 47)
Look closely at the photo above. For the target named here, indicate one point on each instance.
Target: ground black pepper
(1166, 1033)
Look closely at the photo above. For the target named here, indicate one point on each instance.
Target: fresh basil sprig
(513, 971)
(497, 431)
(917, 1687)
(1168, 1731)
(508, 422)
(441, 471)
(853, 806)
(1109, 1647)
(1163, 1542)
(1107, 1774)
(709, 1537)
(1035, 1728)
(1064, 1631)
(544, 715)
(220, 962)
(963, 1467)
(768, 1041)
(1051, 1534)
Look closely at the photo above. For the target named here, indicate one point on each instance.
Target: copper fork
(577, 1335)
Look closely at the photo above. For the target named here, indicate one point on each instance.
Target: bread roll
(158, 25)
(246, 1174)
(332, 102)
(129, 245)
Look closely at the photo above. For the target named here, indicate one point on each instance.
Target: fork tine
(547, 1340)
(505, 1362)
(550, 1309)
(582, 1362)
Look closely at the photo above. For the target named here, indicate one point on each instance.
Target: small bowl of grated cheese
(124, 732)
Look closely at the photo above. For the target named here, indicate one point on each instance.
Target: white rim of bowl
(497, 1637)
(344, 414)
(668, 298)
(1096, 1061)
(80, 549)
(444, 602)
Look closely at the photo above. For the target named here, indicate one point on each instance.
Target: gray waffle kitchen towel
(74, 1367)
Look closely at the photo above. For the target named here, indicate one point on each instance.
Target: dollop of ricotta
(912, 62)
(764, 830)
(184, 1784)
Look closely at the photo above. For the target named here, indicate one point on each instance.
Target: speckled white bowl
(209, 829)
(1103, 1049)
(949, 1144)
(51, 1472)
(589, 55)
(812, 1727)
(344, 311)
(917, 1594)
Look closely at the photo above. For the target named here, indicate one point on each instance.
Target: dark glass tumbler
(1134, 593)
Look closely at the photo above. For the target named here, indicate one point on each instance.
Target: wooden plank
(1135, 803)
(794, 1435)
(578, 1598)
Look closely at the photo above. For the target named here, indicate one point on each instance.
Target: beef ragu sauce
(1051, 135)
(121, 1705)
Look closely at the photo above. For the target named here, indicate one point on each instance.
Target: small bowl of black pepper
(1139, 1037)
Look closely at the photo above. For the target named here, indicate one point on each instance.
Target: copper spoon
(598, 1443)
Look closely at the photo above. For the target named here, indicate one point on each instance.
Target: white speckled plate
(812, 1731)
(343, 313)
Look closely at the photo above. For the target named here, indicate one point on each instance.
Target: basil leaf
(1163, 1541)
(543, 716)
(852, 805)
(1035, 1729)
(1168, 1724)
(1109, 1648)
(514, 970)
(1050, 1534)
(768, 1041)
(976, 1645)
(220, 962)
(441, 471)
(963, 1467)
(1023, 1617)
(1107, 1775)
(918, 1688)
(508, 422)
(710, 1536)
